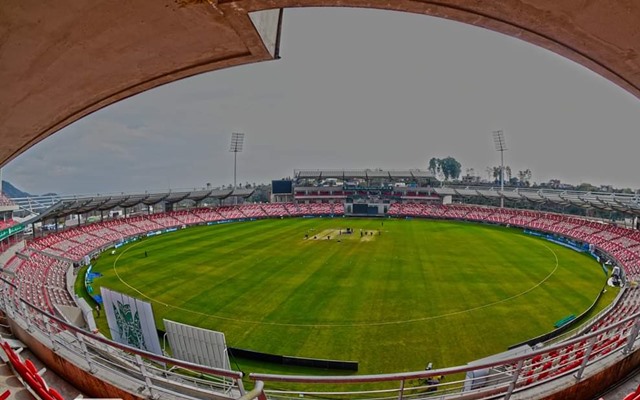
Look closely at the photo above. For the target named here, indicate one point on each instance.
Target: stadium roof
(620, 202)
(60, 59)
(80, 205)
(361, 174)
(68, 205)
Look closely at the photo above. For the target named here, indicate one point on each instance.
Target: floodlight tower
(237, 140)
(501, 146)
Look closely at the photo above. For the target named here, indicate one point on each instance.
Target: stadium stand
(165, 220)
(320, 209)
(635, 395)
(207, 214)
(5, 201)
(4, 224)
(187, 218)
(230, 212)
(293, 209)
(337, 208)
(29, 375)
(146, 223)
(38, 273)
(275, 210)
(253, 211)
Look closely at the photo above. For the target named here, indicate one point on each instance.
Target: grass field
(414, 292)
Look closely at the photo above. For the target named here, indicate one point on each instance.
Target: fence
(129, 368)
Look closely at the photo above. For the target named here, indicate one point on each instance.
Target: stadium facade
(363, 192)
(10, 229)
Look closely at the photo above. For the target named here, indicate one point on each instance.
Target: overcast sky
(354, 89)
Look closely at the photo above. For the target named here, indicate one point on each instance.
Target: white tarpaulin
(130, 321)
(197, 345)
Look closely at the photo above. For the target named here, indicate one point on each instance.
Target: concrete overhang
(62, 60)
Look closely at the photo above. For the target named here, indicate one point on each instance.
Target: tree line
(450, 169)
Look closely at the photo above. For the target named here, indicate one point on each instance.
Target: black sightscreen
(360, 208)
(281, 187)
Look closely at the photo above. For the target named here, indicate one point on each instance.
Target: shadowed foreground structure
(66, 59)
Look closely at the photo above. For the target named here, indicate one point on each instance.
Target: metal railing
(123, 366)
(571, 360)
(156, 376)
(583, 328)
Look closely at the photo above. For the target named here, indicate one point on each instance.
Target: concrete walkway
(9, 381)
(624, 388)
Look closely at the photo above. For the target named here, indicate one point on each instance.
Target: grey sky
(354, 89)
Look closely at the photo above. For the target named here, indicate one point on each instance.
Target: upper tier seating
(5, 201)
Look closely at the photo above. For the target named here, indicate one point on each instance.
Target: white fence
(125, 367)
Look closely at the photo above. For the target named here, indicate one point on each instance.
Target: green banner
(5, 233)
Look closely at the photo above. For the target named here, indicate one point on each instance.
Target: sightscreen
(281, 187)
(197, 345)
(360, 208)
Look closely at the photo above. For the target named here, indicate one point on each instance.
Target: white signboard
(197, 345)
(130, 321)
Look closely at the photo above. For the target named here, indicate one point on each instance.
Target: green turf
(421, 291)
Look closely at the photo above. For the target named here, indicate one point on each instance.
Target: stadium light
(501, 146)
(237, 141)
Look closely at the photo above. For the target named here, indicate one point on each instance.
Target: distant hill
(11, 191)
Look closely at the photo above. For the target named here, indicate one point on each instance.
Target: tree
(586, 187)
(508, 174)
(449, 167)
(525, 177)
(496, 173)
(433, 165)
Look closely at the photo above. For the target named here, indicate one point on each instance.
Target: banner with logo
(130, 321)
(5, 233)
(197, 345)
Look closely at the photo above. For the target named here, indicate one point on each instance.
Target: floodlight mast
(501, 146)
(237, 141)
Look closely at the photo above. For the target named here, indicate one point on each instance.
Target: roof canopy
(362, 174)
(620, 202)
(81, 205)
(64, 59)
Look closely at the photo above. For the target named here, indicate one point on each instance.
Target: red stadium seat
(55, 394)
(31, 367)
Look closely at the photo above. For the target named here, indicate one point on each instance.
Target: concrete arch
(62, 60)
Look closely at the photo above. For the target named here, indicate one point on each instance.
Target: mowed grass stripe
(269, 289)
(203, 260)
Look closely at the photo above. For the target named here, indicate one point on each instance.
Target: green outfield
(395, 297)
